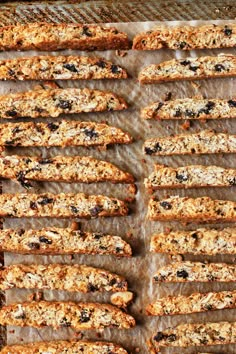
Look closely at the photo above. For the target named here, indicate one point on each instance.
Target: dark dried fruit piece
(219, 67)
(92, 287)
(185, 62)
(45, 201)
(101, 64)
(227, 31)
(159, 336)
(115, 69)
(45, 161)
(64, 322)
(33, 205)
(52, 126)
(64, 104)
(11, 113)
(166, 205)
(232, 103)
(11, 72)
(232, 181)
(45, 240)
(91, 133)
(74, 209)
(70, 67)
(193, 68)
(182, 274)
(182, 45)
(86, 32)
(171, 338)
(95, 211)
(181, 178)
(34, 245)
(160, 104)
(84, 316)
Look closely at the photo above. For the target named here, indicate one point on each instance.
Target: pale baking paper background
(141, 267)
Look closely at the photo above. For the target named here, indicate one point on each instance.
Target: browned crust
(62, 67)
(184, 37)
(50, 205)
(54, 102)
(79, 316)
(73, 347)
(77, 277)
(63, 133)
(191, 209)
(54, 240)
(49, 37)
(61, 169)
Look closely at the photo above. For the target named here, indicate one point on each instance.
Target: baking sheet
(134, 228)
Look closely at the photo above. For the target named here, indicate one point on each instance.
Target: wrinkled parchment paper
(135, 228)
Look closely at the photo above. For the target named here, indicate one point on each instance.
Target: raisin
(112, 282)
(91, 133)
(203, 341)
(182, 274)
(92, 287)
(185, 62)
(195, 236)
(115, 69)
(210, 277)
(45, 201)
(219, 67)
(45, 240)
(74, 209)
(27, 161)
(232, 103)
(10, 142)
(208, 307)
(21, 179)
(227, 31)
(160, 104)
(97, 236)
(181, 178)
(166, 205)
(34, 245)
(84, 316)
(45, 161)
(189, 113)
(33, 205)
(52, 126)
(171, 338)
(101, 64)
(11, 72)
(11, 113)
(177, 113)
(120, 285)
(70, 67)
(159, 336)
(38, 109)
(232, 181)
(64, 322)
(182, 45)
(149, 151)
(64, 104)
(193, 67)
(86, 32)
(118, 249)
(207, 108)
(21, 232)
(95, 211)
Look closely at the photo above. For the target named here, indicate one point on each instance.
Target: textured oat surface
(140, 269)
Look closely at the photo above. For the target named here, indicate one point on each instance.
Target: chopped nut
(122, 299)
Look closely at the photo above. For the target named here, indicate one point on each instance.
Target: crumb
(129, 234)
(121, 53)
(144, 161)
(75, 225)
(203, 121)
(167, 229)
(186, 125)
(122, 299)
(132, 188)
(176, 258)
(11, 331)
(137, 350)
(36, 296)
(78, 335)
(195, 85)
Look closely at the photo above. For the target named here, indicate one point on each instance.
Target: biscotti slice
(187, 37)
(200, 241)
(204, 142)
(196, 302)
(54, 240)
(60, 68)
(60, 205)
(61, 169)
(189, 69)
(63, 133)
(80, 278)
(53, 102)
(195, 334)
(56, 36)
(190, 108)
(79, 316)
(191, 209)
(190, 177)
(196, 272)
(61, 347)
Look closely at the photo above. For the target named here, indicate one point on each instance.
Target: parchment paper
(135, 228)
